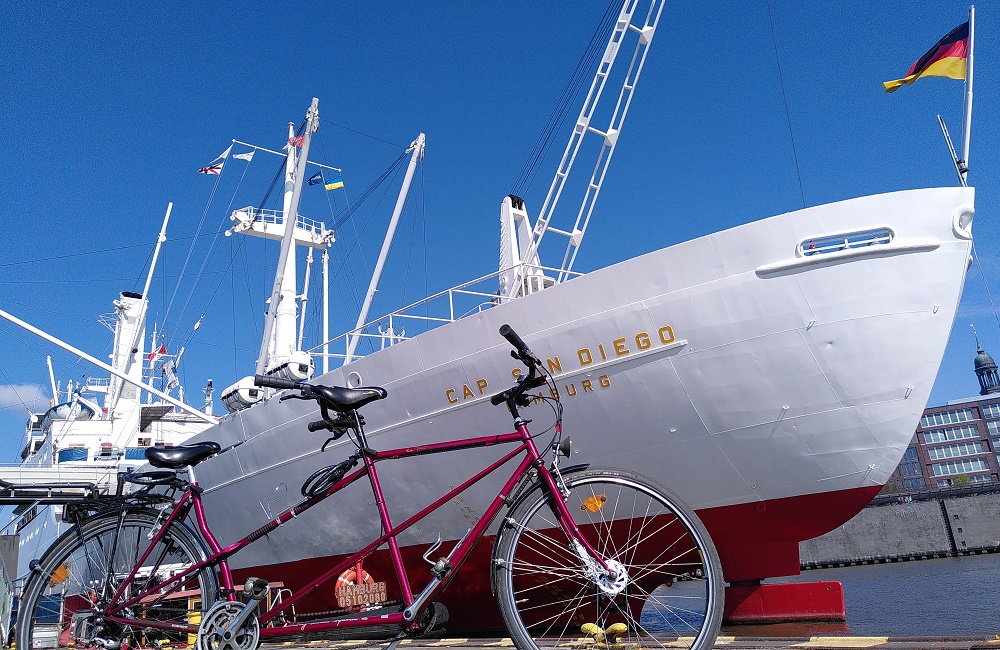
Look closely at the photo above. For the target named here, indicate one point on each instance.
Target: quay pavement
(723, 643)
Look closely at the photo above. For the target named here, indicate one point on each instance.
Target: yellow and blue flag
(335, 183)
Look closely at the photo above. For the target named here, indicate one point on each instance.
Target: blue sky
(109, 114)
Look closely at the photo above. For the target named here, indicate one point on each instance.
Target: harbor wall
(909, 531)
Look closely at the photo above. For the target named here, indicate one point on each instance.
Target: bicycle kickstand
(396, 640)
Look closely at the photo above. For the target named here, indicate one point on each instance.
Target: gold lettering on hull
(585, 356)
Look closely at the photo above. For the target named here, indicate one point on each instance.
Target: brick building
(956, 444)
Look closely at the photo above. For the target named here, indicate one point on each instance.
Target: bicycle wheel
(66, 599)
(669, 582)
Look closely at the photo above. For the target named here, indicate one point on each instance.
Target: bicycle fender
(521, 498)
(72, 530)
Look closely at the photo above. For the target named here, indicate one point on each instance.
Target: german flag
(946, 59)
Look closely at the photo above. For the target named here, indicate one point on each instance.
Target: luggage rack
(80, 498)
(48, 493)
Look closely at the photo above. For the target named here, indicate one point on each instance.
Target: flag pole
(968, 93)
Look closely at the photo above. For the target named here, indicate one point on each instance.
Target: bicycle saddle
(348, 399)
(181, 455)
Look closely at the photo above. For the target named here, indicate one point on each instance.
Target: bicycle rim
(66, 599)
(670, 580)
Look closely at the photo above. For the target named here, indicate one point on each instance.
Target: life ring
(350, 577)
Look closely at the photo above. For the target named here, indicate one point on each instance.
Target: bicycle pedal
(256, 588)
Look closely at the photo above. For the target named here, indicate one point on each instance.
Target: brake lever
(284, 397)
(336, 436)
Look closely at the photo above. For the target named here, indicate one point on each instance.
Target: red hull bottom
(784, 603)
(755, 541)
(761, 540)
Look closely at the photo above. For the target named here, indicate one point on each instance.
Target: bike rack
(48, 493)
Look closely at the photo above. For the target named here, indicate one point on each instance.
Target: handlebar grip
(508, 333)
(273, 382)
(318, 425)
(498, 399)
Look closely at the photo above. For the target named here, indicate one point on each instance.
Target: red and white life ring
(350, 577)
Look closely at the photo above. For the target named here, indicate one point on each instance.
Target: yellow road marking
(842, 642)
(446, 642)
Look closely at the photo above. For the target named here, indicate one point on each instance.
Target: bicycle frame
(118, 609)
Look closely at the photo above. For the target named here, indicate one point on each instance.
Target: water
(943, 597)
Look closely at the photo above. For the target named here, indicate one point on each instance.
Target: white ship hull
(773, 389)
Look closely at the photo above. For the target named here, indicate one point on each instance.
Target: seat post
(191, 477)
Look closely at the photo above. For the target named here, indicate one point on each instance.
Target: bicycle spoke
(660, 579)
(83, 571)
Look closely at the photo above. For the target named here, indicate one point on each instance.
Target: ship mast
(417, 149)
(130, 335)
(279, 328)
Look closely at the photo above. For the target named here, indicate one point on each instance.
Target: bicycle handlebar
(527, 358)
(274, 382)
(508, 333)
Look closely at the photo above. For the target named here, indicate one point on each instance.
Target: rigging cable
(367, 135)
(567, 99)
(353, 208)
(116, 249)
(788, 114)
(347, 213)
(983, 276)
(351, 284)
(211, 249)
(423, 229)
(267, 196)
(187, 259)
(138, 279)
(232, 293)
(357, 240)
(409, 254)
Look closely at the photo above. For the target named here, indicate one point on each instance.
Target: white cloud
(31, 395)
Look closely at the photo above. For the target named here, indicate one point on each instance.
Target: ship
(770, 374)
(99, 427)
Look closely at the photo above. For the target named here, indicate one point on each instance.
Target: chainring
(212, 631)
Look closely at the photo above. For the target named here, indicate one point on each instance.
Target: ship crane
(525, 275)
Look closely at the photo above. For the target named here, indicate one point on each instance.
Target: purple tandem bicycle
(578, 552)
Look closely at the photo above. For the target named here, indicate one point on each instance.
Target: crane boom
(630, 21)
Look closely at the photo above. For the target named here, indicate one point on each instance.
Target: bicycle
(580, 551)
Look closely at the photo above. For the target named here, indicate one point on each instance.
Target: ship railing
(277, 217)
(444, 307)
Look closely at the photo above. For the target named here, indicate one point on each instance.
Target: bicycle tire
(674, 585)
(60, 603)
